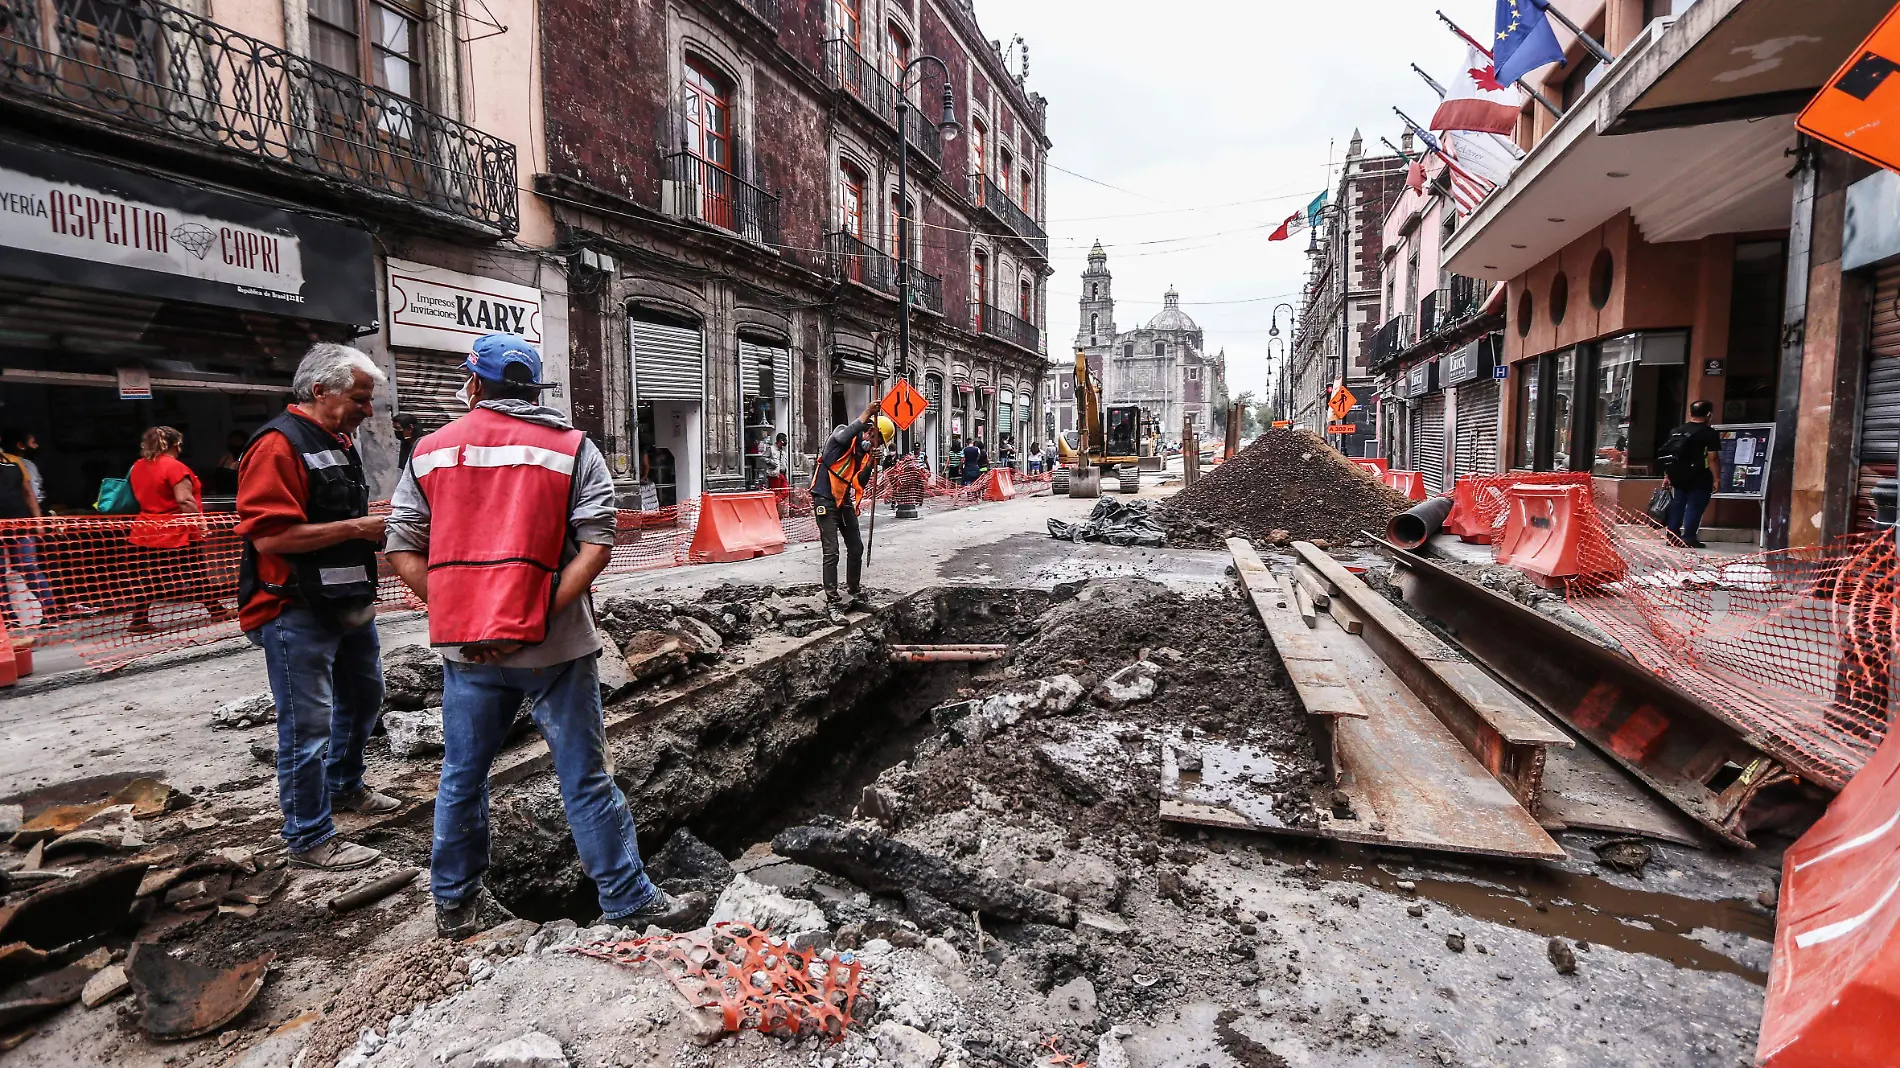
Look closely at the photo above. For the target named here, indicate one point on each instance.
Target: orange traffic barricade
(1374, 464)
(737, 526)
(9, 659)
(1002, 485)
(1465, 519)
(1410, 483)
(1542, 532)
(1834, 979)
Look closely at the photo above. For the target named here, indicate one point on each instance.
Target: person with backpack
(1692, 462)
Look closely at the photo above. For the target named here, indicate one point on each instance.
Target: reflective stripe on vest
(318, 461)
(852, 480)
(499, 493)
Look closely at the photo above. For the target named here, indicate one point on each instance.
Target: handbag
(115, 497)
(1659, 503)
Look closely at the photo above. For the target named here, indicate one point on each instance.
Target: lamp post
(1282, 394)
(947, 128)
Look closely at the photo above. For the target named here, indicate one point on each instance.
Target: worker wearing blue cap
(500, 523)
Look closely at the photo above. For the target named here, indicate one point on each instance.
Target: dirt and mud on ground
(1289, 485)
(983, 841)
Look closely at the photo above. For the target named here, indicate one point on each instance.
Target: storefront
(765, 387)
(1468, 374)
(128, 300)
(435, 314)
(932, 422)
(853, 381)
(669, 381)
(1426, 434)
(1603, 406)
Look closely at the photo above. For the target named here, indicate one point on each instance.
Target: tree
(1244, 404)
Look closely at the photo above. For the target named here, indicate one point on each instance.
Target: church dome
(1172, 317)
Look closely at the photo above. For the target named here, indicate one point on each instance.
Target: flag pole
(1555, 111)
(1589, 42)
(1429, 80)
(1401, 153)
(1450, 163)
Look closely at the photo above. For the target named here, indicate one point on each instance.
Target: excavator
(1106, 443)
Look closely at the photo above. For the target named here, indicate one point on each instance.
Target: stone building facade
(723, 175)
(1163, 365)
(1340, 309)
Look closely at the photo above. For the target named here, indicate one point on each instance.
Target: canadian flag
(1474, 100)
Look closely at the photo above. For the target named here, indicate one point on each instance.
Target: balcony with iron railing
(1443, 309)
(693, 188)
(151, 68)
(1397, 335)
(992, 321)
(926, 292)
(855, 261)
(925, 140)
(767, 10)
(860, 78)
(996, 200)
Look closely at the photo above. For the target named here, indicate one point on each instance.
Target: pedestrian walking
(837, 486)
(307, 596)
(1692, 462)
(972, 461)
(773, 458)
(168, 533)
(19, 505)
(1035, 457)
(500, 523)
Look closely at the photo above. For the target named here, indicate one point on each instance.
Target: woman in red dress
(168, 532)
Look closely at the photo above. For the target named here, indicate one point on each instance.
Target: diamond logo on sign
(904, 404)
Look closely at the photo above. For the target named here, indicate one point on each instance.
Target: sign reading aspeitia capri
(70, 220)
(436, 308)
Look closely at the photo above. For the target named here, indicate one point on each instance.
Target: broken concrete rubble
(416, 734)
(886, 865)
(1136, 682)
(745, 901)
(245, 712)
(412, 677)
(531, 1050)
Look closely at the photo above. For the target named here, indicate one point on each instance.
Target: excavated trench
(772, 745)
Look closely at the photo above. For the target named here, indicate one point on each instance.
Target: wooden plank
(1322, 689)
(1348, 621)
(1315, 587)
(1303, 601)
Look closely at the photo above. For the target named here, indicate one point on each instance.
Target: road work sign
(1282, 424)
(1343, 428)
(904, 404)
(1342, 402)
(1858, 111)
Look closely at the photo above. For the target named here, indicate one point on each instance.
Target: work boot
(366, 802)
(665, 910)
(336, 855)
(476, 914)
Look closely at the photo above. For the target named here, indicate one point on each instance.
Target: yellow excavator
(1105, 444)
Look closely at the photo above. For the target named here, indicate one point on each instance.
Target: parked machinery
(1106, 443)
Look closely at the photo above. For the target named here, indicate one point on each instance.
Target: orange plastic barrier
(1001, 485)
(1542, 531)
(1374, 464)
(1410, 483)
(1465, 519)
(1834, 980)
(9, 663)
(736, 526)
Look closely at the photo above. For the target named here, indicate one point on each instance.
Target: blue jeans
(478, 707)
(1685, 512)
(328, 684)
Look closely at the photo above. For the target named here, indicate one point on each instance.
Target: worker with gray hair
(307, 595)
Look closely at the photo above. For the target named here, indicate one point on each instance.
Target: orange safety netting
(81, 580)
(1794, 646)
(756, 981)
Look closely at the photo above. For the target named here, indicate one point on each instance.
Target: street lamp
(948, 129)
(1282, 393)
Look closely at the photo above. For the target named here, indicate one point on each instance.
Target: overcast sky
(1196, 103)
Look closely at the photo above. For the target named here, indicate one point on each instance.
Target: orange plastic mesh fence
(1794, 645)
(118, 588)
(755, 981)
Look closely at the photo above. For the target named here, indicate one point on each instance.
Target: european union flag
(1525, 40)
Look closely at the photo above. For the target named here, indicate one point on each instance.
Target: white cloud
(1210, 102)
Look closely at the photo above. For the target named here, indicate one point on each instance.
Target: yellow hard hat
(886, 428)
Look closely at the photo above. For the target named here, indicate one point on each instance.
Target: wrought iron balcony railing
(854, 261)
(1393, 338)
(767, 10)
(161, 69)
(693, 188)
(859, 76)
(926, 291)
(997, 202)
(1445, 308)
(997, 323)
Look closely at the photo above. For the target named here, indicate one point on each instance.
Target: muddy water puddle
(1582, 908)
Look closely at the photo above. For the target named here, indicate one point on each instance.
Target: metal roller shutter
(1476, 450)
(754, 357)
(425, 386)
(1879, 444)
(669, 362)
(1428, 449)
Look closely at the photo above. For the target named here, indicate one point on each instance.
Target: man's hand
(579, 575)
(370, 528)
(490, 653)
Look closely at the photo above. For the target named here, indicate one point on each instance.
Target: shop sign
(1467, 363)
(135, 383)
(1712, 368)
(71, 221)
(436, 308)
(1419, 380)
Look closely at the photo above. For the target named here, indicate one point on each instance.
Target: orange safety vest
(498, 492)
(846, 473)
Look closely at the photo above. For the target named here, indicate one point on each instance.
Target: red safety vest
(498, 490)
(846, 474)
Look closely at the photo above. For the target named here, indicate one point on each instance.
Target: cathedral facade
(1163, 366)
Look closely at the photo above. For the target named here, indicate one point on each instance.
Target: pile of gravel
(1287, 485)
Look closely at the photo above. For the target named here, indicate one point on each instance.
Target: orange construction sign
(1342, 402)
(1858, 111)
(1282, 424)
(1343, 428)
(904, 404)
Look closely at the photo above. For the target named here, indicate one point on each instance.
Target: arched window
(897, 45)
(1161, 350)
(1094, 290)
(850, 23)
(979, 288)
(1025, 295)
(1094, 322)
(706, 98)
(851, 200)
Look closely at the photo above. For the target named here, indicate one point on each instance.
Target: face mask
(462, 395)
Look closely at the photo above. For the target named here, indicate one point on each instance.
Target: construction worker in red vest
(500, 523)
(844, 465)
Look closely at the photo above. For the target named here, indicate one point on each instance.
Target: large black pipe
(1409, 530)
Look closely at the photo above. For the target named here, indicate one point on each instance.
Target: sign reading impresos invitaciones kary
(71, 220)
(436, 308)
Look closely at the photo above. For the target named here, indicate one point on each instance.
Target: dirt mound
(1287, 480)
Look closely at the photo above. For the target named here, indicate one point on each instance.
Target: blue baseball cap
(494, 355)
